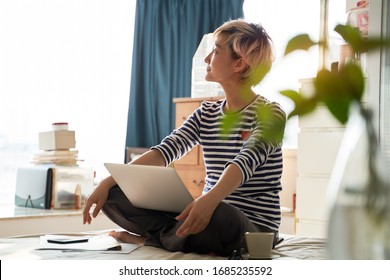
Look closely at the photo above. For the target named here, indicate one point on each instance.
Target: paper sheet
(95, 243)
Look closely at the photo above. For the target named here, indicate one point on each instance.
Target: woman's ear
(240, 65)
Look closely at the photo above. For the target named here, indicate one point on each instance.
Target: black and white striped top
(259, 160)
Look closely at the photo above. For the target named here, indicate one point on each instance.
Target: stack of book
(57, 146)
(57, 157)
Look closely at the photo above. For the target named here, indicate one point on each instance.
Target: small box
(57, 140)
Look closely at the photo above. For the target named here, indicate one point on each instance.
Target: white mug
(259, 244)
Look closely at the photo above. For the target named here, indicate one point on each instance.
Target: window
(284, 20)
(63, 61)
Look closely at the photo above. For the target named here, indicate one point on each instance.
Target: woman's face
(220, 64)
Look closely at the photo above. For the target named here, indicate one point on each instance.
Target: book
(67, 162)
(57, 153)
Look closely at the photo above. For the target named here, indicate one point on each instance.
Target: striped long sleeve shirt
(259, 159)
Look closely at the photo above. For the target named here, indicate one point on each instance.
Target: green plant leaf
(292, 94)
(357, 42)
(350, 35)
(352, 79)
(299, 42)
(272, 124)
(229, 121)
(338, 90)
(259, 73)
(302, 105)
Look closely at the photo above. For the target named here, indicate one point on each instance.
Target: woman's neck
(238, 99)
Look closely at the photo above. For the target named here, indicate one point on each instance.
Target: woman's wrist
(214, 197)
(107, 183)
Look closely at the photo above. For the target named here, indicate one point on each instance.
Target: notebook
(151, 187)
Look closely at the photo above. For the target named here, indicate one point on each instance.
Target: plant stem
(376, 189)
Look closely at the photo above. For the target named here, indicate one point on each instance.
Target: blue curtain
(166, 36)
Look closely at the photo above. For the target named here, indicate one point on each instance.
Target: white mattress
(25, 248)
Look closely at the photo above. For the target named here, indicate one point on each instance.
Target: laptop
(151, 187)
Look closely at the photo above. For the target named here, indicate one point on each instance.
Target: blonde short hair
(250, 42)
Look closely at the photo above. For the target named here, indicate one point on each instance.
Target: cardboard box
(57, 140)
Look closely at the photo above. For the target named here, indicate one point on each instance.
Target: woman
(243, 167)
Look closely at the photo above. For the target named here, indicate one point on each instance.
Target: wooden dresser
(191, 167)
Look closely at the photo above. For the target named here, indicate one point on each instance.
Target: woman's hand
(98, 197)
(196, 216)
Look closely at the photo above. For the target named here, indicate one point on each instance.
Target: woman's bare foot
(126, 237)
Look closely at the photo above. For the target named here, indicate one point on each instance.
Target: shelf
(17, 221)
(10, 211)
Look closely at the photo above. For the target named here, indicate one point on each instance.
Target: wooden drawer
(184, 110)
(186, 106)
(200, 157)
(191, 158)
(191, 167)
(193, 177)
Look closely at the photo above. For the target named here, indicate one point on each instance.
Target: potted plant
(359, 221)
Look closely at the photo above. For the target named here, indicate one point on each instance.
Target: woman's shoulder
(263, 101)
(212, 105)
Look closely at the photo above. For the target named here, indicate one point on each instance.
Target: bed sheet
(25, 248)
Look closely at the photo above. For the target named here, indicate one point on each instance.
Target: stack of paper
(87, 243)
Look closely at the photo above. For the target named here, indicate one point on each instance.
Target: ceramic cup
(259, 244)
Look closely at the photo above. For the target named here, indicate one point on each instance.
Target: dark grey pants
(225, 232)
